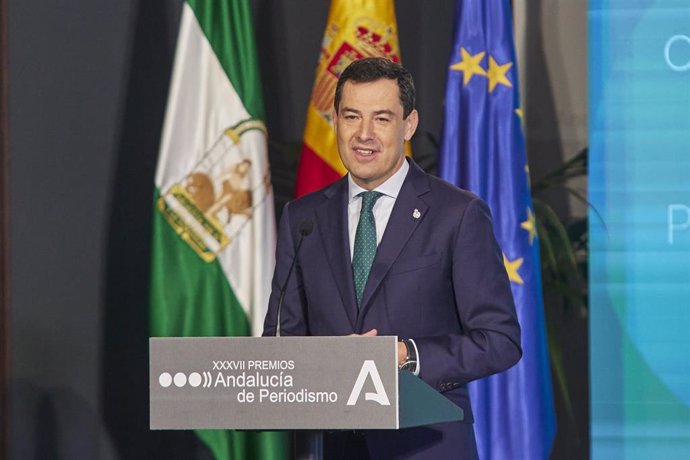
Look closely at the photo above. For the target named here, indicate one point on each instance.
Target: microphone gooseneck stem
(305, 229)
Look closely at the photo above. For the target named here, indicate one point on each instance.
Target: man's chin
(363, 180)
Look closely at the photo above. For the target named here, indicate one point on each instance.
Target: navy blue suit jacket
(438, 279)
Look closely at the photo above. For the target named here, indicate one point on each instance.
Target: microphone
(305, 229)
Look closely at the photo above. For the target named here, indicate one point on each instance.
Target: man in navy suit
(437, 278)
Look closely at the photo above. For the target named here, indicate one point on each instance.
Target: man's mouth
(364, 152)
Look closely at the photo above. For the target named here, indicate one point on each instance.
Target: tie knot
(369, 200)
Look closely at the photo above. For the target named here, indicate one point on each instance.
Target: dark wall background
(87, 91)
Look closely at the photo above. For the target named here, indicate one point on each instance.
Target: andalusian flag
(355, 29)
(213, 220)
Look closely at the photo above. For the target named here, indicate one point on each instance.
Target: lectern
(287, 383)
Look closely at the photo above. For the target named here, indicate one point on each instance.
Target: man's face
(371, 131)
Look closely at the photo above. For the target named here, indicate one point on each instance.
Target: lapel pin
(416, 214)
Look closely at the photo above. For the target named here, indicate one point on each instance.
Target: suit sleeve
(293, 321)
(489, 341)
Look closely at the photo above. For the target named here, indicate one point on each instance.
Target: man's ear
(411, 123)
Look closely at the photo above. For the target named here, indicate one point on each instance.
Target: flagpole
(308, 445)
(4, 239)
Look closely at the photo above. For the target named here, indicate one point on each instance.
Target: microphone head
(306, 227)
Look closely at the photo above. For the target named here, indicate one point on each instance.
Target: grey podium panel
(274, 383)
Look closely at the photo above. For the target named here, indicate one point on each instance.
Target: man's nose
(365, 131)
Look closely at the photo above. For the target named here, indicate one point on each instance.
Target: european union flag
(483, 150)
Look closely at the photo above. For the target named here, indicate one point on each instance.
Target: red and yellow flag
(355, 29)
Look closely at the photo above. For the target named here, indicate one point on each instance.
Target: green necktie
(365, 242)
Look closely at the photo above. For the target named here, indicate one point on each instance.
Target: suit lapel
(409, 210)
(332, 220)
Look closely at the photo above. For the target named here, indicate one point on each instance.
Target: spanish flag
(355, 29)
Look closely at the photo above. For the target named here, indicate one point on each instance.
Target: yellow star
(530, 225)
(512, 268)
(469, 65)
(521, 116)
(497, 74)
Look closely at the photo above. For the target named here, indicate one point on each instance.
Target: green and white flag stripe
(213, 218)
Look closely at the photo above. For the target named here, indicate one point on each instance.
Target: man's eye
(382, 120)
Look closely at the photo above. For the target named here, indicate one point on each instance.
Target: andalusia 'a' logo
(214, 201)
(369, 370)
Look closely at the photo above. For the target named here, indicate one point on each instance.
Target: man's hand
(402, 352)
(402, 348)
(371, 333)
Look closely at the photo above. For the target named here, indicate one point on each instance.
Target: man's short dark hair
(375, 68)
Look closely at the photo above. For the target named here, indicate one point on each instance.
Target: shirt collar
(389, 188)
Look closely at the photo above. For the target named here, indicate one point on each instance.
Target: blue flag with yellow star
(483, 150)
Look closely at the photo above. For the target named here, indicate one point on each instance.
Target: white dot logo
(165, 379)
(194, 379)
(180, 380)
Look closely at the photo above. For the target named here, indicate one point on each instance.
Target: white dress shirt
(382, 208)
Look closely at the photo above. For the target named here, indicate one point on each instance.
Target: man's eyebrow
(384, 112)
(376, 112)
(350, 109)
